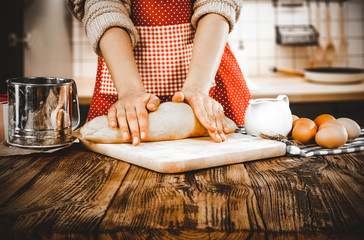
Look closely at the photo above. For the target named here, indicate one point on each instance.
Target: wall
(84, 58)
(253, 38)
(256, 33)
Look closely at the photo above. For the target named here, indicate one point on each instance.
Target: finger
(123, 124)
(178, 97)
(224, 120)
(208, 105)
(142, 115)
(220, 120)
(111, 117)
(209, 108)
(132, 119)
(224, 123)
(215, 137)
(203, 117)
(153, 103)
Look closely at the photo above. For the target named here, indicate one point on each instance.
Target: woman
(153, 51)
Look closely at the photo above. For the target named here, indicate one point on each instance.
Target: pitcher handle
(75, 106)
(284, 98)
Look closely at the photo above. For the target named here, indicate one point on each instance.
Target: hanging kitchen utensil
(327, 75)
(318, 51)
(343, 46)
(330, 52)
(294, 35)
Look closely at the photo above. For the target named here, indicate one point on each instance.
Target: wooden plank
(180, 234)
(185, 234)
(46, 235)
(229, 201)
(71, 194)
(16, 171)
(325, 193)
(345, 176)
(76, 194)
(217, 198)
(176, 234)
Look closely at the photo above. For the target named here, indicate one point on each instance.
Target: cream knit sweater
(100, 15)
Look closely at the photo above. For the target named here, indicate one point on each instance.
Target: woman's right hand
(130, 114)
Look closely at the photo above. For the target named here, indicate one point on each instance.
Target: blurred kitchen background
(41, 38)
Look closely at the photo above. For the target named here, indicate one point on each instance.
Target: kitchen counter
(296, 88)
(78, 194)
(300, 90)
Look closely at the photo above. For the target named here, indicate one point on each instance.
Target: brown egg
(331, 137)
(304, 120)
(323, 118)
(352, 128)
(304, 132)
(330, 123)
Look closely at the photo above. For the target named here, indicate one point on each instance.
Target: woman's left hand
(207, 110)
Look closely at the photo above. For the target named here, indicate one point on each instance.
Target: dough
(171, 121)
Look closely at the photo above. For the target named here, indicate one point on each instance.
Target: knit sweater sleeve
(98, 16)
(230, 9)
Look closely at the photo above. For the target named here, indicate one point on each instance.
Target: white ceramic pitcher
(269, 116)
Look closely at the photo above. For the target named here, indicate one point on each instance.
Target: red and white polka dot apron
(163, 55)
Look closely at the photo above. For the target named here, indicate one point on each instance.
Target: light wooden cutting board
(191, 153)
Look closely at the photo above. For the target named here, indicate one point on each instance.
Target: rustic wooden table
(78, 194)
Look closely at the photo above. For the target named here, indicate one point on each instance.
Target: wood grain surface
(77, 194)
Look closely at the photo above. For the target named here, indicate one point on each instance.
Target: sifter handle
(75, 106)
